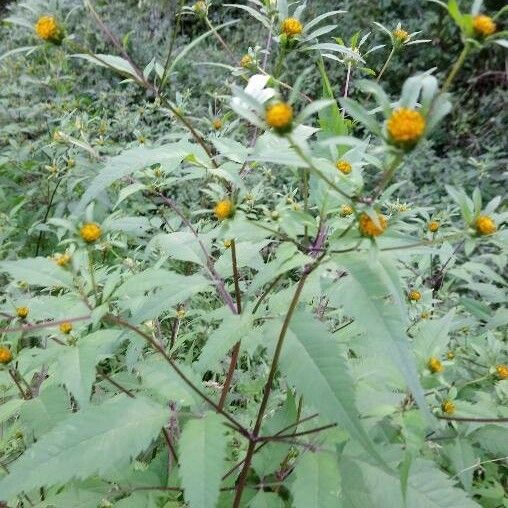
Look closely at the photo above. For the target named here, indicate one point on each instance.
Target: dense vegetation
(253, 254)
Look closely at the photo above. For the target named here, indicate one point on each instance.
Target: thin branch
(185, 379)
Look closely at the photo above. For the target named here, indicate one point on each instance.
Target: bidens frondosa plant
(235, 275)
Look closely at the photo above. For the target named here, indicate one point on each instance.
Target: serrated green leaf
(311, 361)
(90, 442)
(317, 482)
(202, 454)
(375, 301)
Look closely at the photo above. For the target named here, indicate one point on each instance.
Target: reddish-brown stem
(179, 372)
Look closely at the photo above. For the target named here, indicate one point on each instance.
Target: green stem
(385, 66)
(456, 67)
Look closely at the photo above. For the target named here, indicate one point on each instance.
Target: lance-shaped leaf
(90, 442)
(202, 454)
(311, 361)
(374, 300)
(317, 482)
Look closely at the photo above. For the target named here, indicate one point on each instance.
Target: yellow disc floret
(502, 371)
(62, 259)
(434, 365)
(217, 124)
(246, 61)
(90, 232)
(47, 28)
(406, 126)
(5, 355)
(22, 312)
(484, 25)
(414, 295)
(400, 35)
(368, 227)
(448, 407)
(485, 225)
(279, 116)
(344, 167)
(433, 226)
(346, 210)
(291, 27)
(223, 209)
(65, 327)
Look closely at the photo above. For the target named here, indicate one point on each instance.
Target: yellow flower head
(279, 116)
(485, 225)
(291, 27)
(227, 244)
(246, 61)
(90, 232)
(346, 210)
(433, 226)
(406, 126)
(66, 327)
(22, 312)
(484, 25)
(414, 295)
(448, 407)
(502, 371)
(344, 167)
(62, 259)
(223, 209)
(450, 355)
(5, 355)
(217, 124)
(434, 365)
(200, 7)
(401, 35)
(47, 28)
(370, 228)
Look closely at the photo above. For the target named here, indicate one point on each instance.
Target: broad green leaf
(133, 160)
(317, 481)
(367, 486)
(375, 300)
(37, 271)
(202, 454)
(90, 442)
(233, 328)
(10, 408)
(267, 500)
(311, 361)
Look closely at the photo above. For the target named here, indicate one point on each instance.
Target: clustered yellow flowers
(448, 407)
(484, 25)
(223, 209)
(406, 126)
(346, 210)
(22, 312)
(401, 35)
(62, 259)
(47, 29)
(279, 115)
(291, 27)
(370, 228)
(344, 167)
(246, 61)
(434, 365)
(502, 371)
(433, 226)
(485, 225)
(5, 355)
(65, 327)
(90, 232)
(414, 295)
